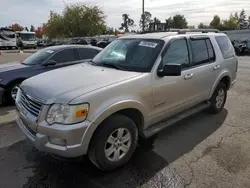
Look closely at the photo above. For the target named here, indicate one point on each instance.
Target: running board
(157, 127)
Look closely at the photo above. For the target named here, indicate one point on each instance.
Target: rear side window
(225, 46)
(86, 53)
(64, 56)
(199, 51)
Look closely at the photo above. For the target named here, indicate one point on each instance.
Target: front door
(172, 93)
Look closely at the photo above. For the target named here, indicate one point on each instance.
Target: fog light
(57, 141)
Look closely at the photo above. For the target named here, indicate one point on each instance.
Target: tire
(100, 146)
(9, 91)
(218, 99)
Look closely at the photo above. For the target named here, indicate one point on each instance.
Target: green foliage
(147, 21)
(216, 22)
(179, 21)
(127, 22)
(203, 26)
(76, 21)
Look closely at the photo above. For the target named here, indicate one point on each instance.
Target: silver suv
(137, 86)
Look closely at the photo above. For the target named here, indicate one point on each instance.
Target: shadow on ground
(151, 157)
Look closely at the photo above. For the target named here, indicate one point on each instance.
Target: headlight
(67, 114)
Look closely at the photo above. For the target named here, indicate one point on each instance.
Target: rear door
(204, 69)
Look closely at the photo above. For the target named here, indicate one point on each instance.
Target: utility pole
(143, 17)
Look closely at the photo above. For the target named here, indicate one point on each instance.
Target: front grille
(32, 105)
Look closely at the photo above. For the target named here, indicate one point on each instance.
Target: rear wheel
(114, 142)
(218, 99)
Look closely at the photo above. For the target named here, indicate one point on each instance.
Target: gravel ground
(204, 151)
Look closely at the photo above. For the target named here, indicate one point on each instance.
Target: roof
(62, 47)
(164, 35)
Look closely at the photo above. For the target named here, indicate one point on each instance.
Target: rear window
(225, 46)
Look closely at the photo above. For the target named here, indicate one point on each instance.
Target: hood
(63, 85)
(11, 66)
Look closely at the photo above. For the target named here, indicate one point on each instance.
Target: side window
(199, 51)
(86, 53)
(64, 56)
(225, 46)
(177, 53)
(210, 49)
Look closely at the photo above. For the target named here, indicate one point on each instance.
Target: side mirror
(50, 62)
(170, 70)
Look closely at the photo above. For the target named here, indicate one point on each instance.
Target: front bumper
(2, 90)
(40, 133)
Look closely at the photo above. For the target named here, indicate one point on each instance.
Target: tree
(82, 20)
(40, 31)
(147, 20)
(169, 23)
(230, 24)
(203, 26)
(242, 20)
(32, 28)
(127, 22)
(179, 22)
(191, 27)
(26, 29)
(16, 27)
(216, 22)
(77, 20)
(248, 21)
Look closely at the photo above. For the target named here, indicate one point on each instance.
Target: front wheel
(11, 93)
(114, 142)
(218, 98)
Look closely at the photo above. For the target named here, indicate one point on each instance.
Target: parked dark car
(103, 44)
(12, 74)
(93, 42)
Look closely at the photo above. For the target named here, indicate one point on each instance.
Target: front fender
(102, 115)
(222, 75)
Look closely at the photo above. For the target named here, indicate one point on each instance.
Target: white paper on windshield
(50, 51)
(148, 44)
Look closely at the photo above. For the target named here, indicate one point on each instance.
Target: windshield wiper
(112, 65)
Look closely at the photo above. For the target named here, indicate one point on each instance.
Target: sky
(36, 12)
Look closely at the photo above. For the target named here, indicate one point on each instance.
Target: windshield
(28, 36)
(38, 57)
(131, 54)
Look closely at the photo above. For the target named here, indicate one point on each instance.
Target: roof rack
(184, 31)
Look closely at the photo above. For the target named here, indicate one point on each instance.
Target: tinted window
(64, 56)
(38, 57)
(177, 53)
(199, 51)
(225, 46)
(86, 53)
(210, 50)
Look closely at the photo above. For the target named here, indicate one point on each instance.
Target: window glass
(210, 50)
(86, 53)
(199, 51)
(64, 56)
(225, 46)
(39, 57)
(177, 53)
(131, 54)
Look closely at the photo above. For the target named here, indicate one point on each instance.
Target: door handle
(216, 67)
(188, 76)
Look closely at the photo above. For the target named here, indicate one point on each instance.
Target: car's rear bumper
(2, 90)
